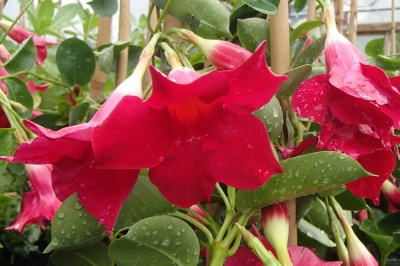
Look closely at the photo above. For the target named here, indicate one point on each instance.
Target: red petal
(41, 55)
(101, 191)
(238, 152)
(167, 92)
(310, 99)
(381, 163)
(343, 107)
(78, 132)
(133, 136)
(301, 256)
(299, 149)
(181, 176)
(395, 81)
(252, 84)
(243, 256)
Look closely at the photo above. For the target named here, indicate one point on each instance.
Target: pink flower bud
(40, 203)
(391, 193)
(222, 54)
(275, 225)
(362, 215)
(19, 34)
(199, 211)
(4, 54)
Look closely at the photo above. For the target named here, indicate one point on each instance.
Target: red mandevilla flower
(195, 131)
(40, 203)
(357, 108)
(19, 34)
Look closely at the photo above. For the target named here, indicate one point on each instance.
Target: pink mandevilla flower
(357, 108)
(195, 131)
(19, 34)
(40, 203)
(69, 150)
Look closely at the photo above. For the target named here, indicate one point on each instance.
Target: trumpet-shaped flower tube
(195, 131)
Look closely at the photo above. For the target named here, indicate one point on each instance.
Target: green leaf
(105, 59)
(310, 53)
(295, 77)
(304, 28)
(386, 243)
(209, 18)
(315, 233)
(65, 15)
(78, 113)
(299, 5)
(18, 92)
(4, 200)
(5, 145)
(389, 224)
(350, 202)
(297, 46)
(74, 227)
(387, 63)
(48, 121)
(272, 116)
(252, 32)
(375, 47)
(75, 61)
(45, 12)
(95, 255)
(159, 240)
(152, 203)
(268, 7)
(303, 175)
(23, 58)
(104, 8)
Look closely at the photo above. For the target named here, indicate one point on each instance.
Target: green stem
(232, 233)
(321, 4)
(151, 8)
(298, 125)
(196, 223)
(15, 21)
(229, 214)
(47, 79)
(162, 16)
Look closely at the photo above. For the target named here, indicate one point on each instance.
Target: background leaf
(75, 61)
(5, 145)
(23, 58)
(303, 175)
(295, 77)
(252, 32)
(272, 116)
(104, 8)
(18, 92)
(159, 240)
(268, 7)
(310, 53)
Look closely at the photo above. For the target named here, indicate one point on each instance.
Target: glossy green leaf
(105, 59)
(104, 8)
(4, 200)
(315, 233)
(73, 227)
(387, 63)
(304, 28)
(5, 145)
(310, 53)
(158, 240)
(303, 175)
(78, 113)
(297, 46)
(386, 243)
(389, 224)
(241, 10)
(268, 7)
(209, 18)
(144, 201)
(350, 202)
(23, 58)
(375, 47)
(295, 77)
(95, 255)
(299, 5)
(75, 61)
(252, 32)
(65, 15)
(272, 116)
(48, 121)
(18, 92)
(45, 12)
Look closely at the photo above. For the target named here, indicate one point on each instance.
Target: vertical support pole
(393, 29)
(311, 10)
(99, 77)
(280, 62)
(123, 35)
(339, 15)
(353, 22)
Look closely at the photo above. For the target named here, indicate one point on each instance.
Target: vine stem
(15, 21)
(162, 16)
(196, 223)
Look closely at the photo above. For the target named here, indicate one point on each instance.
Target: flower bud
(4, 54)
(391, 193)
(222, 54)
(275, 225)
(257, 247)
(198, 211)
(19, 34)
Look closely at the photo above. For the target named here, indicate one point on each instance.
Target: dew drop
(54, 242)
(170, 227)
(61, 215)
(77, 206)
(166, 242)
